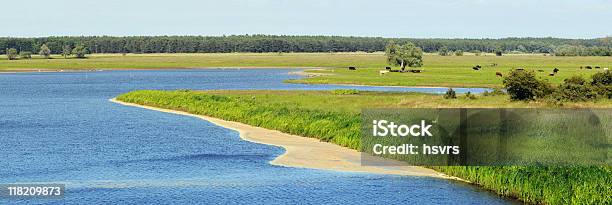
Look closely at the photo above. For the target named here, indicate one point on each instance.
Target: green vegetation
(25, 55)
(345, 92)
(335, 118)
(456, 71)
(45, 52)
(268, 43)
(450, 94)
(404, 55)
(11, 53)
(79, 51)
(443, 51)
(523, 85)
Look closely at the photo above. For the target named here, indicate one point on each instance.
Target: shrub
(602, 84)
(345, 92)
(602, 78)
(494, 92)
(575, 89)
(459, 53)
(470, 96)
(25, 54)
(523, 85)
(450, 94)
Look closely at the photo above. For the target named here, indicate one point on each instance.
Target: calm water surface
(61, 128)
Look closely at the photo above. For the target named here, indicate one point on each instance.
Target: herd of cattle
(476, 68)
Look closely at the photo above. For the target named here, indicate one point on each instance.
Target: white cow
(382, 72)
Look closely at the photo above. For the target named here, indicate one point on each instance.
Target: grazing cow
(580, 67)
(540, 70)
(520, 69)
(477, 67)
(494, 64)
(606, 68)
(552, 74)
(352, 68)
(498, 74)
(597, 67)
(387, 68)
(588, 67)
(382, 72)
(555, 70)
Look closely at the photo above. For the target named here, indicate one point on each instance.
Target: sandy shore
(306, 152)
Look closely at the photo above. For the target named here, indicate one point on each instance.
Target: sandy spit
(303, 152)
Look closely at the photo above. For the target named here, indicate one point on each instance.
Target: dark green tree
(404, 55)
(79, 51)
(523, 85)
(45, 52)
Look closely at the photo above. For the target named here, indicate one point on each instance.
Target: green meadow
(444, 71)
(334, 116)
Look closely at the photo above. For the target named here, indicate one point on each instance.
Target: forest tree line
(270, 43)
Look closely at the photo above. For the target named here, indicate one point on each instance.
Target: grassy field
(444, 71)
(335, 117)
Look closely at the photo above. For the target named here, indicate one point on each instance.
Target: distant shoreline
(303, 152)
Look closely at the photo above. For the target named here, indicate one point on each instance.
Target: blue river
(61, 128)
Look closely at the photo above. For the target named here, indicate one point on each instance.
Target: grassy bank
(334, 117)
(447, 71)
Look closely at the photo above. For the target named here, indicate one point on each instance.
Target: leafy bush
(470, 96)
(25, 54)
(575, 89)
(494, 92)
(459, 53)
(602, 84)
(523, 85)
(450, 94)
(345, 92)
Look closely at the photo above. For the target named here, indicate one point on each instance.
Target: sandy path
(306, 152)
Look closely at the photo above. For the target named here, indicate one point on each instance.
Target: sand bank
(306, 152)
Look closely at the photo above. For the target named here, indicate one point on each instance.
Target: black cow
(555, 70)
(352, 68)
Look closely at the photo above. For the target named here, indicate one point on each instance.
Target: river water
(61, 128)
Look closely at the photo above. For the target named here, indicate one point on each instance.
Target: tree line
(271, 43)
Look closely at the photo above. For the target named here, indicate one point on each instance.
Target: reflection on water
(61, 128)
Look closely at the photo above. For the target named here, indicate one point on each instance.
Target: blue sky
(385, 18)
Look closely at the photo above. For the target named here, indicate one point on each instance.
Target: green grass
(335, 118)
(445, 71)
(456, 71)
